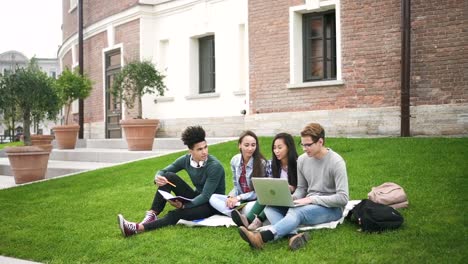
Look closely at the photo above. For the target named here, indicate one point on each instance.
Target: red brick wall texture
(127, 34)
(93, 68)
(371, 40)
(93, 64)
(93, 11)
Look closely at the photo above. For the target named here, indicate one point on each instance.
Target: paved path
(8, 260)
(96, 154)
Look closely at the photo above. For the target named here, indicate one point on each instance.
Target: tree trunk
(140, 108)
(26, 128)
(11, 130)
(67, 112)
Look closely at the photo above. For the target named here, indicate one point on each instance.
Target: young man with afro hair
(206, 174)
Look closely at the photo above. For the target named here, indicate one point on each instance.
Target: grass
(73, 220)
(11, 144)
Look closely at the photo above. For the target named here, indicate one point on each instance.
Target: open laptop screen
(273, 191)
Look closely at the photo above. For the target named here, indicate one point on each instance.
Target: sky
(32, 27)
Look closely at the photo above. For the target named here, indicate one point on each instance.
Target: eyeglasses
(307, 145)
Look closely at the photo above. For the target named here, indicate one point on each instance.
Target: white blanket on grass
(222, 220)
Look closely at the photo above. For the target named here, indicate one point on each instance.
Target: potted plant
(136, 79)
(70, 86)
(39, 138)
(29, 91)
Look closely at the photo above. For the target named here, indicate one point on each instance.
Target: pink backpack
(390, 194)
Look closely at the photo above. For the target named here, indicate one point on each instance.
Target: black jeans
(182, 189)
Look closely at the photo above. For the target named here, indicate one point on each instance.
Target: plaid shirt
(243, 180)
(236, 168)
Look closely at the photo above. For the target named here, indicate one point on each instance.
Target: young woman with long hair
(283, 165)
(245, 165)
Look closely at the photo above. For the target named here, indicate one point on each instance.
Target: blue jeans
(285, 220)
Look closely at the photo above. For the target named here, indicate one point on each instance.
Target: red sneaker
(127, 228)
(149, 217)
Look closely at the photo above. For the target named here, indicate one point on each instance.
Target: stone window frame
(73, 5)
(194, 69)
(296, 68)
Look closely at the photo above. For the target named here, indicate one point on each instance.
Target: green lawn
(73, 220)
(11, 144)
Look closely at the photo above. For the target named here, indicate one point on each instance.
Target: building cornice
(145, 8)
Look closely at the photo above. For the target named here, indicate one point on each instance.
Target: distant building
(49, 66)
(9, 62)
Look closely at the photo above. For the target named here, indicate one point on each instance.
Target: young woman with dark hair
(284, 158)
(245, 165)
(283, 165)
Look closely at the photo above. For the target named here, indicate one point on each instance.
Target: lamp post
(81, 65)
(405, 66)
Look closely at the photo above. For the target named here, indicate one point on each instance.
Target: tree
(10, 116)
(136, 79)
(8, 111)
(72, 86)
(29, 91)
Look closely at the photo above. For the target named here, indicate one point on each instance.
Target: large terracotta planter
(66, 136)
(41, 139)
(140, 133)
(45, 147)
(28, 163)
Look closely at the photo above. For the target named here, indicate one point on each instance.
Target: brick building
(363, 96)
(282, 63)
(183, 39)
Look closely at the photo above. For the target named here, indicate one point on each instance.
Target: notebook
(273, 191)
(169, 196)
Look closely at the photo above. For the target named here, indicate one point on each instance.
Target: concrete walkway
(93, 154)
(8, 260)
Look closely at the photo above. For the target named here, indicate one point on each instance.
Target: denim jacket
(236, 167)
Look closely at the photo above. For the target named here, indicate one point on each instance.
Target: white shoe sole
(120, 219)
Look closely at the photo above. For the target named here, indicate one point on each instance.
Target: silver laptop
(273, 191)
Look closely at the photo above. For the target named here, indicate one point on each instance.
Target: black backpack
(375, 217)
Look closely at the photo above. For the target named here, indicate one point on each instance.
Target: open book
(169, 196)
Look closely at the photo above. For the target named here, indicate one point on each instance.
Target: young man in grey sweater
(322, 192)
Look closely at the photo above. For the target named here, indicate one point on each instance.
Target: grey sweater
(326, 179)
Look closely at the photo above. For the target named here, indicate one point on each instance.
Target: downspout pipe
(405, 66)
(81, 65)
